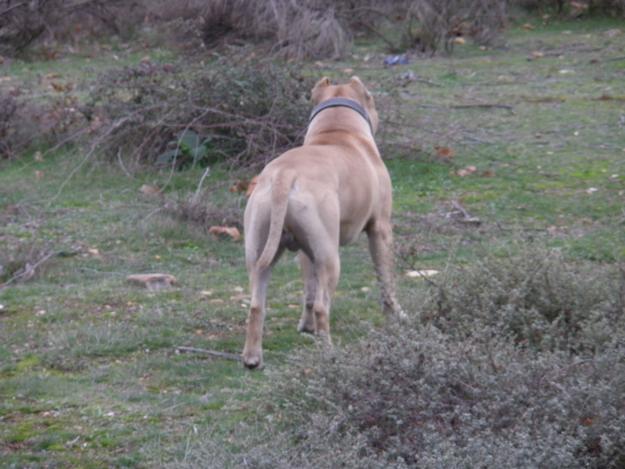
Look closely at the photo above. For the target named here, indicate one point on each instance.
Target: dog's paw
(252, 361)
(306, 327)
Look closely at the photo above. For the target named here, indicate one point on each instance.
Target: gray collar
(342, 102)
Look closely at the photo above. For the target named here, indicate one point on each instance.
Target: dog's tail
(279, 201)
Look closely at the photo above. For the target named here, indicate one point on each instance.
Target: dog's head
(354, 89)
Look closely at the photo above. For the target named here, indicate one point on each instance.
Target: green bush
(534, 297)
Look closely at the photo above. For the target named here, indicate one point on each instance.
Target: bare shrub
(575, 8)
(236, 109)
(23, 23)
(440, 22)
(26, 122)
(298, 29)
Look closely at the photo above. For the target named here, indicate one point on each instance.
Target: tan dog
(314, 198)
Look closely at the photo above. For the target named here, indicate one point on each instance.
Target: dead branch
(29, 270)
(484, 106)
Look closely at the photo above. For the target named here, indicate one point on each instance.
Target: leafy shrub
(535, 297)
(242, 110)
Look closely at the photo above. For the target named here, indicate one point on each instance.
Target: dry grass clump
(241, 110)
(204, 211)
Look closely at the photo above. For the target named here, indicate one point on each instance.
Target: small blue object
(396, 60)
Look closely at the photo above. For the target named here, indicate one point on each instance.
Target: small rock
(408, 76)
(152, 281)
(421, 273)
(392, 60)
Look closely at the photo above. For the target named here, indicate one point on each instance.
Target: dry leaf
(149, 190)
(537, 54)
(459, 40)
(445, 153)
(251, 186)
(225, 231)
(528, 26)
(38, 156)
(39, 175)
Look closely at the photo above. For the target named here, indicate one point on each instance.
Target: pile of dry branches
(243, 111)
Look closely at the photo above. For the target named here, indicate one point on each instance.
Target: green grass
(89, 376)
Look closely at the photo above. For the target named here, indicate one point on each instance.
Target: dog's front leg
(381, 247)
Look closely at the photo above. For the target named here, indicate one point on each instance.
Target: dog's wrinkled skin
(314, 198)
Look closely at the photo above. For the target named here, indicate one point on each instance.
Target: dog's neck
(342, 102)
(335, 113)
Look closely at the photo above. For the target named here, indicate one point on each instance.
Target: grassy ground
(89, 376)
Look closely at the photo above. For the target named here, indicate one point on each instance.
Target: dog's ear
(315, 94)
(359, 86)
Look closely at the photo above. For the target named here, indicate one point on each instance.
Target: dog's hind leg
(326, 270)
(381, 248)
(307, 321)
(253, 350)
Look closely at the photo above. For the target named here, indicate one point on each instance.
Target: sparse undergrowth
(469, 393)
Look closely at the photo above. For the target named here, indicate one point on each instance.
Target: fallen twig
(483, 106)
(212, 353)
(29, 270)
